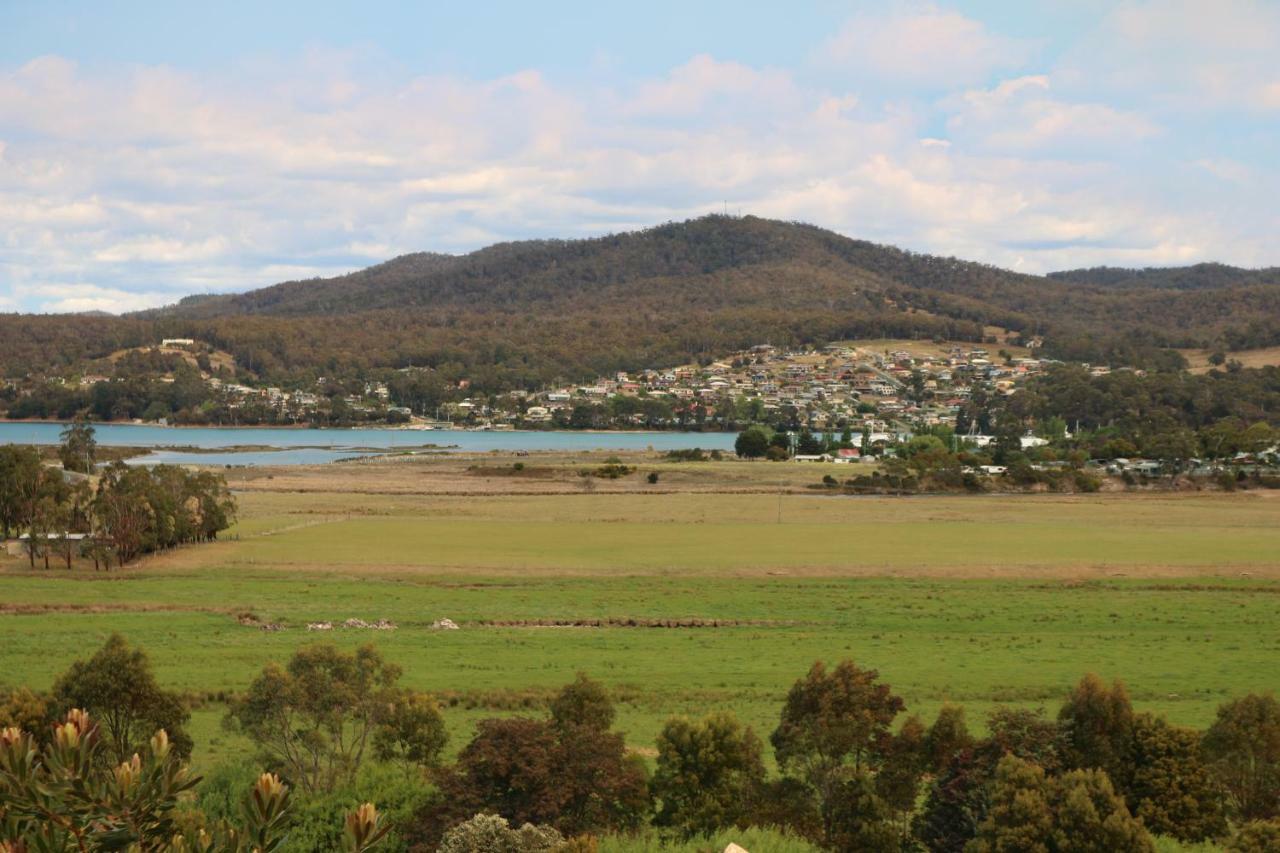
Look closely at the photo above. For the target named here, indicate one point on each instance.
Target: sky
(149, 150)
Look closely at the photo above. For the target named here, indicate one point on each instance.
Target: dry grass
(546, 473)
(1198, 359)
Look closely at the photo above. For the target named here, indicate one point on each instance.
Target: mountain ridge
(526, 312)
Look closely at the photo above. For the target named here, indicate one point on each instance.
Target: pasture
(685, 602)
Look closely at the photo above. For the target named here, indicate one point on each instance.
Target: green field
(971, 600)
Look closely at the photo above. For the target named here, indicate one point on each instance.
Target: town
(882, 388)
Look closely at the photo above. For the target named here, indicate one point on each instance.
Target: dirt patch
(618, 622)
(10, 609)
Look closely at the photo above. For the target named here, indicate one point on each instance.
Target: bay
(283, 446)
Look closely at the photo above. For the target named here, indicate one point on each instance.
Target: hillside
(1196, 277)
(525, 313)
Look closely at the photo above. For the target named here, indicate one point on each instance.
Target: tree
(833, 718)
(1078, 812)
(20, 473)
(947, 736)
(20, 708)
(1257, 836)
(1171, 789)
(1257, 437)
(1097, 726)
(410, 730)
(582, 703)
(809, 444)
(32, 497)
(752, 442)
(140, 509)
(1019, 817)
(1027, 734)
(957, 801)
(1090, 816)
(605, 789)
(897, 784)
(833, 721)
(1172, 447)
(314, 718)
(565, 771)
(116, 686)
(1243, 750)
(509, 769)
(921, 444)
(955, 805)
(708, 776)
(856, 818)
(79, 448)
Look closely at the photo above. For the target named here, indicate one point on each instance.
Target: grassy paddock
(981, 601)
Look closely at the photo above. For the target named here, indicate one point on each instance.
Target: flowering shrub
(67, 796)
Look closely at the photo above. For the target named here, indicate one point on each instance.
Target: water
(314, 446)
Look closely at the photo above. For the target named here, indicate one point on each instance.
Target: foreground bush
(487, 833)
(317, 717)
(68, 796)
(754, 839)
(1259, 836)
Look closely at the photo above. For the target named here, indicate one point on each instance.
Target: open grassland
(685, 602)
(1198, 359)
(539, 473)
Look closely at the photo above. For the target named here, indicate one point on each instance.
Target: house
(177, 342)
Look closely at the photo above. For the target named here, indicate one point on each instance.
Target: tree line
(854, 771)
(131, 511)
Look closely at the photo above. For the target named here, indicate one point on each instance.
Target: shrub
(1243, 750)
(1258, 836)
(488, 833)
(709, 774)
(68, 796)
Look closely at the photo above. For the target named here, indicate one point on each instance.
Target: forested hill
(528, 312)
(691, 262)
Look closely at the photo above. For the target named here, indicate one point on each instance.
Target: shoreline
(382, 427)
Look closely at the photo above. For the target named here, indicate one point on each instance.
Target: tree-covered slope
(529, 312)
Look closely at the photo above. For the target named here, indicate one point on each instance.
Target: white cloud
(81, 296)
(156, 249)
(932, 46)
(148, 183)
(1021, 114)
(1183, 55)
(692, 87)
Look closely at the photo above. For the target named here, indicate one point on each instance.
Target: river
(267, 446)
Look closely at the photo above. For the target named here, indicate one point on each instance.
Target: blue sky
(150, 150)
